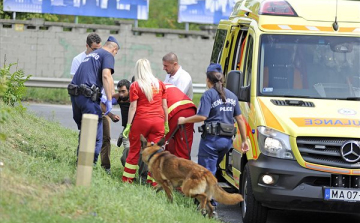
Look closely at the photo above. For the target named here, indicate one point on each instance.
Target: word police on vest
(226, 109)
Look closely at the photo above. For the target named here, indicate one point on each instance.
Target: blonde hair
(145, 78)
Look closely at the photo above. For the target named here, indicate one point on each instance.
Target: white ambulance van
(295, 67)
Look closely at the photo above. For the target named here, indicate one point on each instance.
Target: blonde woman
(148, 100)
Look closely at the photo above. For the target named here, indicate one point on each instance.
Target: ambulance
(295, 68)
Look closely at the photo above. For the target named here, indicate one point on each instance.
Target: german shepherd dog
(196, 181)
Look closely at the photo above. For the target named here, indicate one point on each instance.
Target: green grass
(60, 96)
(38, 175)
(47, 95)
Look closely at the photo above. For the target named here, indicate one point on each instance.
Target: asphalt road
(228, 214)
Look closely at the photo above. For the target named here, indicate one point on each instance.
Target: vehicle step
(224, 185)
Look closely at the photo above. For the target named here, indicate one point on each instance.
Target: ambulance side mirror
(244, 94)
(234, 82)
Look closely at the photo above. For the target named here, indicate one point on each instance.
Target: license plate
(342, 194)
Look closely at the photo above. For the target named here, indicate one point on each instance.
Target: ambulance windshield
(310, 66)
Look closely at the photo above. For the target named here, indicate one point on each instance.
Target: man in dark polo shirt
(94, 73)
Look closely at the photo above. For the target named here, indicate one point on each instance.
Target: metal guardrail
(46, 82)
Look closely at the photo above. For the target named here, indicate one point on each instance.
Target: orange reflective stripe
(347, 29)
(270, 119)
(272, 27)
(183, 102)
(308, 28)
(327, 169)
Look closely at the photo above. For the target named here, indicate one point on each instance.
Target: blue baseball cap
(112, 39)
(214, 67)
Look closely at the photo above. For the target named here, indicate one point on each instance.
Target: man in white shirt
(93, 42)
(176, 75)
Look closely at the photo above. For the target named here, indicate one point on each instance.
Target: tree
(26, 15)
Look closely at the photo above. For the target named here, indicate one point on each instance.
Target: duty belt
(217, 128)
(92, 92)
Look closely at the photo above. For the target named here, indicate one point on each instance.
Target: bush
(12, 89)
(3, 110)
(14, 83)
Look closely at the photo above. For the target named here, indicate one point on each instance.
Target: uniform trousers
(180, 144)
(212, 150)
(83, 105)
(106, 145)
(153, 130)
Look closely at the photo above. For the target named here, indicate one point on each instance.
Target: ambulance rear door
(224, 39)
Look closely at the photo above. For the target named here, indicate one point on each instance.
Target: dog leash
(172, 136)
(187, 142)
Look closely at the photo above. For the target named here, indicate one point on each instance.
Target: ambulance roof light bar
(276, 7)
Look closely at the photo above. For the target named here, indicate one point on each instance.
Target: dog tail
(223, 197)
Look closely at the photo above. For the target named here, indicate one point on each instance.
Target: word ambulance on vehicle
(295, 67)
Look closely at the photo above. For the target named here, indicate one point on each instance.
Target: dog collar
(157, 151)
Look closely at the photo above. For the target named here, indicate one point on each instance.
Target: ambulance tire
(251, 210)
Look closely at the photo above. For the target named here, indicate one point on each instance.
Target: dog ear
(143, 141)
(161, 142)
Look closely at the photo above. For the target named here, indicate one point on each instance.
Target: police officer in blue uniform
(218, 108)
(94, 73)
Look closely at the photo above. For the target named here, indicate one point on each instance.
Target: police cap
(214, 67)
(112, 39)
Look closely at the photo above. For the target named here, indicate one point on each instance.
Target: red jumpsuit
(179, 105)
(148, 121)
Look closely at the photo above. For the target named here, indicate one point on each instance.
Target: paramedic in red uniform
(148, 100)
(179, 105)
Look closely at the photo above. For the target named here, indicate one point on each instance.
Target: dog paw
(203, 212)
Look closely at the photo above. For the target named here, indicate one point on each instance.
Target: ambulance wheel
(251, 210)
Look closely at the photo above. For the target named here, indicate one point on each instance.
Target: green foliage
(4, 112)
(4, 15)
(162, 14)
(15, 87)
(4, 115)
(3, 85)
(39, 174)
(26, 15)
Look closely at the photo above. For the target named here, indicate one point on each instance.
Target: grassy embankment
(38, 177)
(60, 96)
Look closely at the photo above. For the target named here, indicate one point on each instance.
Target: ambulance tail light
(276, 7)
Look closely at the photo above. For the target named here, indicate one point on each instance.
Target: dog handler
(218, 108)
(148, 100)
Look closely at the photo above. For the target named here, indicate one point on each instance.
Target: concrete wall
(46, 49)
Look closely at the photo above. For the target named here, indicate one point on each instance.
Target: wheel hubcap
(245, 198)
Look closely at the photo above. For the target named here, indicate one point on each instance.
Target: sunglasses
(93, 49)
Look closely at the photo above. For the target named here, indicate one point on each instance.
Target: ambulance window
(248, 60)
(218, 46)
(240, 45)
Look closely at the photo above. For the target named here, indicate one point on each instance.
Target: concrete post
(89, 124)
